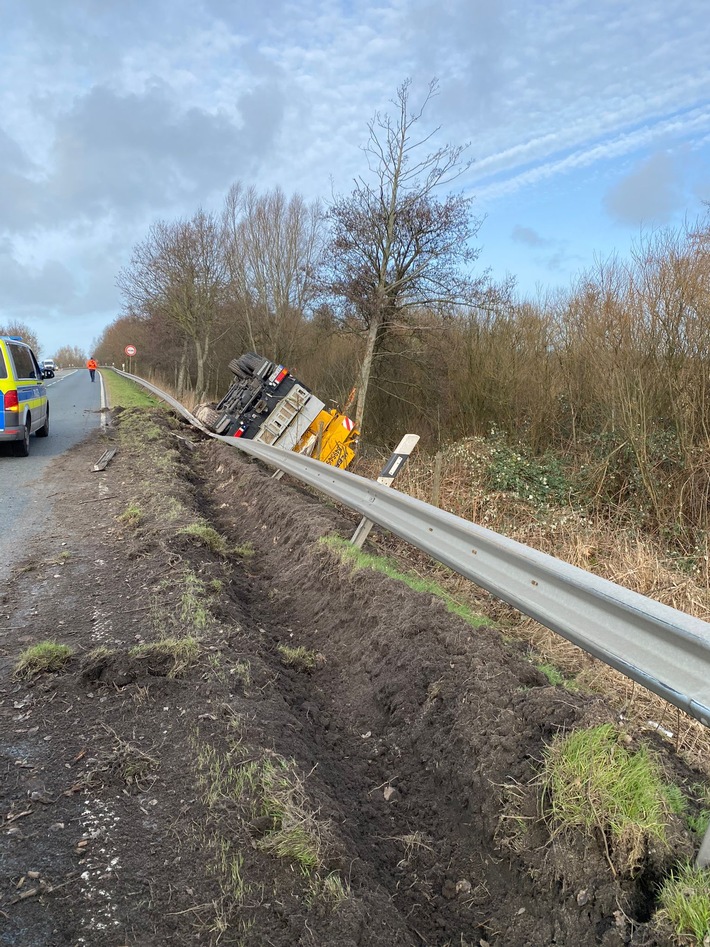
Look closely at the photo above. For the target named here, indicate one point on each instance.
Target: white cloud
(116, 113)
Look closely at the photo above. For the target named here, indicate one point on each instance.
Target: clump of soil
(379, 790)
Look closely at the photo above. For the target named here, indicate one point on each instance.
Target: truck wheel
(207, 416)
(247, 365)
(236, 369)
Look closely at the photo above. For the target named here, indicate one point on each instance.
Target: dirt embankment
(254, 744)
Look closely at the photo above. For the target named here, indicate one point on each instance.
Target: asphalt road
(74, 411)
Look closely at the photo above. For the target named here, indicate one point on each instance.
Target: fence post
(436, 485)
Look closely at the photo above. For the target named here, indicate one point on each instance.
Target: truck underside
(266, 403)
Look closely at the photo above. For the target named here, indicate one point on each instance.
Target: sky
(588, 125)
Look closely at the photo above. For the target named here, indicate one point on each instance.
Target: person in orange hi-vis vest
(92, 366)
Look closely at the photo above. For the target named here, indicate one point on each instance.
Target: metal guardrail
(665, 650)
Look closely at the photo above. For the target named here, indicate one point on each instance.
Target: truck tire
(247, 365)
(236, 369)
(206, 415)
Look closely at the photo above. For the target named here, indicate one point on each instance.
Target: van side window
(24, 363)
(3, 366)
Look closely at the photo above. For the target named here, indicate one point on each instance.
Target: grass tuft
(41, 658)
(594, 781)
(270, 789)
(554, 676)
(206, 536)
(300, 658)
(246, 551)
(182, 652)
(685, 904)
(131, 516)
(295, 833)
(242, 671)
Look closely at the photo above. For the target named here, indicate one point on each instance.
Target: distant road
(74, 411)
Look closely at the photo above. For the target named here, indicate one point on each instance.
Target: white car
(48, 368)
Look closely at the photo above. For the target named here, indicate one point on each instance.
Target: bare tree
(23, 330)
(274, 245)
(70, 356)
(180, 272)
(396, 248)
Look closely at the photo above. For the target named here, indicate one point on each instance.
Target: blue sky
(587, 123)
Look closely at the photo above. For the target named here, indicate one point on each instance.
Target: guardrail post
(703, 859)
(390, 470)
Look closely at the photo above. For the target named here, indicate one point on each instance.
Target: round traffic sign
(130, 350)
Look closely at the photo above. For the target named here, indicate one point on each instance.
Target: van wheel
(44, 430)
(22, 448)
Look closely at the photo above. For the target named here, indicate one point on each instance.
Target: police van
(24, 406)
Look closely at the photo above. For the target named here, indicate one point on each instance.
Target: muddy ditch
(254, 743)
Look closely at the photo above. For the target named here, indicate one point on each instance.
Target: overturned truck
(266, 403)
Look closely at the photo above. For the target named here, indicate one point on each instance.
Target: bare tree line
(380, 292)
(275, 274)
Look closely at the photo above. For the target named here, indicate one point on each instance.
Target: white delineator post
(390, 470)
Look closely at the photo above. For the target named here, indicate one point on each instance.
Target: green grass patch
(246, 551)
(242, 671)
(194, 602)
(677, 802)
(206, 536)
(180, 653)
(296, 843)
(592, 780)
(699, 823)
(131, 516)
(300, 658)
(698, 820)
(685, 904)
(140, 432)
(295, 834)
(270, 789)
(125, 393)
(41, 658)
(333, 889)
(358, 559)
(556, 677)
(191, 612)
(552, 673)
